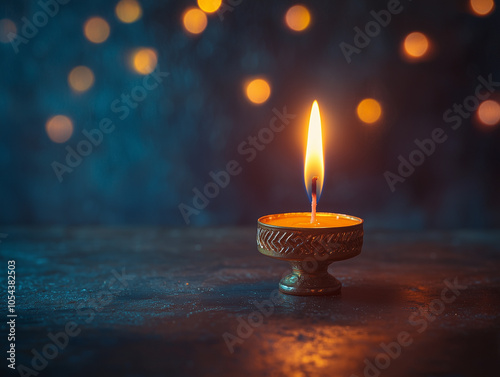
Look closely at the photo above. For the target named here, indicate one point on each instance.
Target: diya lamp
(310, 241)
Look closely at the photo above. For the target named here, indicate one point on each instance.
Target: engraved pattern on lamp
(310, 243)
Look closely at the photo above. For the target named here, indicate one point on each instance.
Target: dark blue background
(193, 123)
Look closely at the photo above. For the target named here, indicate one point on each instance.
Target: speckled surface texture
(157, 302)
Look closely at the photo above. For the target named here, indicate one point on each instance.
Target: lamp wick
(314, 200)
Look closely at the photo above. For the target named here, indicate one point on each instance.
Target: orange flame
(314, 165)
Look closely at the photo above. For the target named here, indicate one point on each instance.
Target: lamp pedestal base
(306, 283)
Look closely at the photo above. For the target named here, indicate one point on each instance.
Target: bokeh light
(481, 7)
(194, 20)
(81, 78)
(258, 91)
(369, 110)
(488, 113)
(209, 6)
(59, 128)
(298, 18)
(416, 45)
(145, 60)
(6, 26)
(128, 11)
(96, 29)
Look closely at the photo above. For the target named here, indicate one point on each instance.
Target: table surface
(177, 302)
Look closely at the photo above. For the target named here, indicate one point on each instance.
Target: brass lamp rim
(359, 221)
(296, 243)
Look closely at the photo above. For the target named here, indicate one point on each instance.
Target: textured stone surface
(186, 288)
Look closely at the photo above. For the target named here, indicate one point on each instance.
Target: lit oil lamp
(310, 241)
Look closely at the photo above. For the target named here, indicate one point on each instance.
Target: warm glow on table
(145, 60)
(59, 128)
(80, 78)
(416, 45)
(128, 11)
(369, 110)
(258, 91)
(194, 20)
(298, 18)
(209, 6)
(96, 30)
(482, 7)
